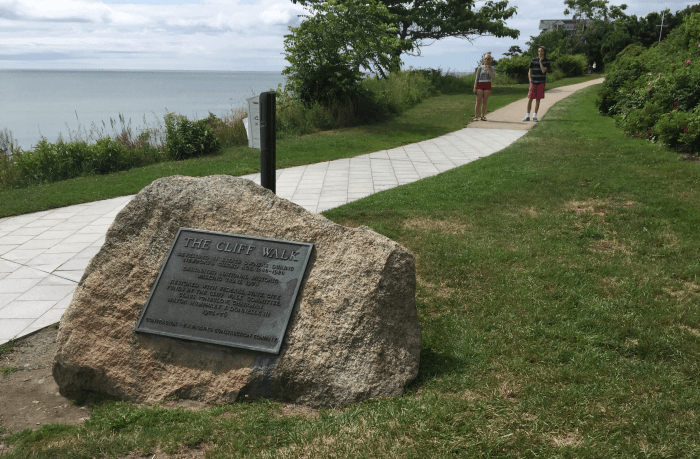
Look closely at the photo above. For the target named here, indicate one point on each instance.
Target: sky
(224, 35)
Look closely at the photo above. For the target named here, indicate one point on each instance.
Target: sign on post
(254, 122)
(262, 134)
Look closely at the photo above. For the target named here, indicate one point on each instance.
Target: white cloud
(209, 34)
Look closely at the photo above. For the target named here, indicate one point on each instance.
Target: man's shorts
(536, 91)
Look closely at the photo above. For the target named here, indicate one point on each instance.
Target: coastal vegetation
(434, 116)
(99, 151)
(654, 93)
(557, 292)
(600, 33)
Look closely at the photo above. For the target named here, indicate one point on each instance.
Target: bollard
(268, 141)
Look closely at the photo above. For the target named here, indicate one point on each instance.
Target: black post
(268, 141)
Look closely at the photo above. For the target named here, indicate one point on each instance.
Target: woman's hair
(543, 49)
(489, 55)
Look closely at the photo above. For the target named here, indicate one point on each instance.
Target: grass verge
(559, 299)
(431, 118)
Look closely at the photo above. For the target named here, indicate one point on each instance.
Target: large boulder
(353, 333)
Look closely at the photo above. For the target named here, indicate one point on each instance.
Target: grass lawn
(434, 117)
(559, 299)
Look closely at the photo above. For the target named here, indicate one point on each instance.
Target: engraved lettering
(162, 322)
(227, 299)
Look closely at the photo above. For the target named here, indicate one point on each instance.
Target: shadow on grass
(433, 365)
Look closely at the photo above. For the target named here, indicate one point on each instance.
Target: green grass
(7, 348)
(434, 117)
(6, 370)
(559, 301)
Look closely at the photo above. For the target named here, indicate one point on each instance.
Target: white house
(549, 25)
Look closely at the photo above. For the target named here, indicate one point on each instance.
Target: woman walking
(482, 86)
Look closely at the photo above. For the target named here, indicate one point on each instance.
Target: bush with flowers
(655, 93)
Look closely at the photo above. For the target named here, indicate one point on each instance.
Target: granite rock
(353, 333)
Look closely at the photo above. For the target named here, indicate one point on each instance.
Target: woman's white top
(482, 75)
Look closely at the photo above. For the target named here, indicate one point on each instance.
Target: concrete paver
(44, 254)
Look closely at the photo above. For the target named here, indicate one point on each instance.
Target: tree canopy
(608, 32)
(418, 23)
(328, 52)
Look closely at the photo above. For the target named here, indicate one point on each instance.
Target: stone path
(44, 254)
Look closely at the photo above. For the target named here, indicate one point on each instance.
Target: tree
(418, 23)
(552, 40)
(596, 11)
(593, 9)
(513, 51)
(334, 44)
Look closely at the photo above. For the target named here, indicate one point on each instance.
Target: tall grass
(229, 128)
(380, 99)
(116, 146)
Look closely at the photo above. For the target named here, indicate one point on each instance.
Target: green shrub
(189, 139)
(401, 90)
(571, 65)
(51, 162)
(678, 129)
(229, 129)
(627, 66)
(655, 93)
(375, 100)
(294, 117)
(448, 83)
(515, 67)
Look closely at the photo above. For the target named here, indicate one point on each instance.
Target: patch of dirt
(299, 410)
(184, 453)
(568, 439)
(508, 391)
(610, 246)
(440, 291)
(694, 331)
(688, 292)
(595, 206)
(454, 227)
(29, 397)
(465, 395)
(525, 212)
(610, 285)
(188, 405)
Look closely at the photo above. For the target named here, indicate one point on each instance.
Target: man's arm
(542, 67)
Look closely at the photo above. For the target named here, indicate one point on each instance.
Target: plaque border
(276, 351)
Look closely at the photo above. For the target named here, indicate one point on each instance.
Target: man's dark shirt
(536, 74)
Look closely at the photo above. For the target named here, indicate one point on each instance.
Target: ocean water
(49, 103)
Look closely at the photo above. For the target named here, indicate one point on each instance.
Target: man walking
(538, 77)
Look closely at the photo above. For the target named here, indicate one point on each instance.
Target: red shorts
(485, 85)
(536, 91)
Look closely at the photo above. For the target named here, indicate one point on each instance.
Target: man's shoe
(527, 118)
(534, 118)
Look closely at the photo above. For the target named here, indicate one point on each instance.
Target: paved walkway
(44, 254)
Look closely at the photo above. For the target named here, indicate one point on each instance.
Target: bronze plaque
(226, 289)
